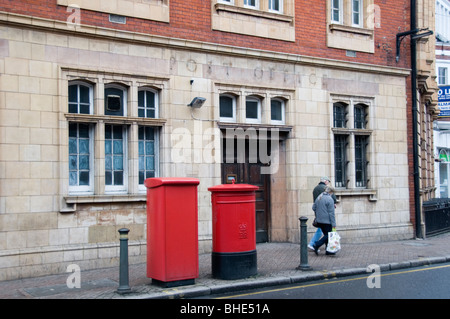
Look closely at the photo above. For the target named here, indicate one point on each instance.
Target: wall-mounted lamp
(197, 102)
(414, 36)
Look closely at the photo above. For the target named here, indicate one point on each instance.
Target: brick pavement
(277, 264)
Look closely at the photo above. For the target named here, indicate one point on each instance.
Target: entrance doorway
(246, 169)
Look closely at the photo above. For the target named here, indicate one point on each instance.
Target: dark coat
(319, 189)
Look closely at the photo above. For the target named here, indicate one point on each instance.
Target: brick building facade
(94, 99)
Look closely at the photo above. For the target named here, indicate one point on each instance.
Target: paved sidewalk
(277, 263)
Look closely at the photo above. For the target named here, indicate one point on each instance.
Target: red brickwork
(192, 20)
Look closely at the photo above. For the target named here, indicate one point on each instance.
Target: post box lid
(233, 188)
(159, 181)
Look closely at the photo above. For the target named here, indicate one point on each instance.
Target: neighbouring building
(442, 125)
(95, 97)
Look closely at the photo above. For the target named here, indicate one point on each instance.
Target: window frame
(255, 6)
(252, 98)
(362, 110)
(145, 107)
(443, 77)
(360, 13)
(118, 189)
(91, 96)
(82, 189)
(341, 180)
(97, 81)
(141, 187)
(280, 6)
(343, 111)
(338, 9)
(361, 162)
(283, 111)
(234, 105)
(124, 101)
(356, 171)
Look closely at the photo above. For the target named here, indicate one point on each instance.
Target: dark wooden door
(245, 170)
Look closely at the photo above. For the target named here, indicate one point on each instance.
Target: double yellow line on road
(330, 282)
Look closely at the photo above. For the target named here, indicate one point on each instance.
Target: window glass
(114, 101)
(226, 107)
(356, 12)
(276, 110)
(340, 146)
(79, 154)
(250, 3)
(274, 5)
(252, 110)
(340, 115)
(442, 76)
(147, 101)
(335, 10)
(360, 116)
(114, 155)
(146, 144)
(79, 99)
(360, 160)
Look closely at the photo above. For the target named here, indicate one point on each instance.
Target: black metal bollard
(123, 271)
(303, 245)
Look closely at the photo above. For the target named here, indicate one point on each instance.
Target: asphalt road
(429, 282)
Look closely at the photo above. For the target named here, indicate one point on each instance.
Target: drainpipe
(418, 208)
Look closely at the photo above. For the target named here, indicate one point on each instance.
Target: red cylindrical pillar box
(234, 231)
(172, 230)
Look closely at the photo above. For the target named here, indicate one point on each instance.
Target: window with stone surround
(252, 105)
(120, 112)
(351, 24)
(81, 138)
(351, 140)
(261, 18)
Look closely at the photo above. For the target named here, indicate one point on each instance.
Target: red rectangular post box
(172, 231)
(234, 231)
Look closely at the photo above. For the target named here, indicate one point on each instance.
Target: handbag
(334, 242)
(315, 224)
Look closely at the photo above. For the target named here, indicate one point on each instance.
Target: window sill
(90, 118)
(254, 12)
(253, 22)
(351, 29)
(86, 199)
(341, 130)
(281, 128)
(350, 38)
(372, 193)
(72, 201)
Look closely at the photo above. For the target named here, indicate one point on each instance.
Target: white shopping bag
(334, 242)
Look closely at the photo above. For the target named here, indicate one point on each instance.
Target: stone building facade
(94, 99)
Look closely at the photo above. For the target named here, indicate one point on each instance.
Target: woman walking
(325, 217)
